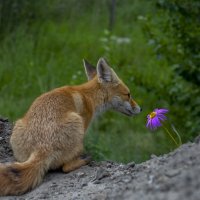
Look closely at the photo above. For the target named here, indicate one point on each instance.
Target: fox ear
(105, 73)
(90, 70)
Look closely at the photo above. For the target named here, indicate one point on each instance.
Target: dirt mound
(173, 176)
(5, 149)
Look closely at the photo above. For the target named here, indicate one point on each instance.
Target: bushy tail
(18, 178)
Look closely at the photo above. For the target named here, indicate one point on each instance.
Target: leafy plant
(174, 36)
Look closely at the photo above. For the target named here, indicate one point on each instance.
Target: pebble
(172, 173)
(80, 174)
(131, 165)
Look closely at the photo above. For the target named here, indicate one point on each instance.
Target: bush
(174, 35)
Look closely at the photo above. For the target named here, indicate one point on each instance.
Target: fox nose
(137, 109)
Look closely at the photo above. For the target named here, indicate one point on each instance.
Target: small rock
(127, 180)
(151, 179)
(83, 185)
(93, 164)
(172, 173)
(197, 140)
(101, 173)
(109, 164)
(153, 156)
(97, 182)
(80, 174)
(131, 165)
(4, 119)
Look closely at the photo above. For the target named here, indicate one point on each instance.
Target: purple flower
(155, 119)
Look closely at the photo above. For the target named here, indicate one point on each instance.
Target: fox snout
(136, 108)
(129, 108)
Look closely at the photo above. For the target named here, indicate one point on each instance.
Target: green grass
(50, 55)
(121, 139)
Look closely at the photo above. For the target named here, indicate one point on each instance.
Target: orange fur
(51, 133)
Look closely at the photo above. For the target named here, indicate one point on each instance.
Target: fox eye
(129, 95)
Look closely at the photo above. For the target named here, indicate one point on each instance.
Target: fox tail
(17, 178)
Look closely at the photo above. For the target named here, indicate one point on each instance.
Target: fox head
(116, 95)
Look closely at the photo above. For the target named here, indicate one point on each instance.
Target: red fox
(50, 135)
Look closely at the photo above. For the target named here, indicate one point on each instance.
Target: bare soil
(173, 176)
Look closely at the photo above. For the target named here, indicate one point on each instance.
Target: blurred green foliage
(42, 44)
(175, 36)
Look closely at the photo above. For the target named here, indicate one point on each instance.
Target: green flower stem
(178, 135)
(171, 136)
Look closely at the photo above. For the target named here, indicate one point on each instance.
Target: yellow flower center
(152, 115)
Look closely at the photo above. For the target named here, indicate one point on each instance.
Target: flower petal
(149, 124)
(161, 111)
(156, 122)
(161, 117)
(153, 122)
